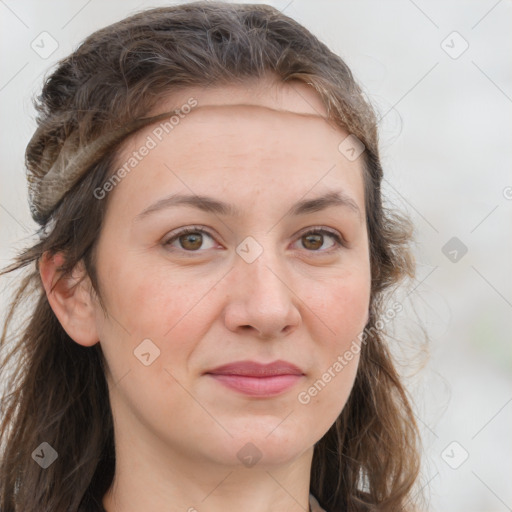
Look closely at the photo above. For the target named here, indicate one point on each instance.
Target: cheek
(165, 309)
(341, 305)
(151, 300)
(168, 307)
(347, 307)
(349, 313)
(341, 308)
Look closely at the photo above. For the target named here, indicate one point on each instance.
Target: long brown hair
(55, 389)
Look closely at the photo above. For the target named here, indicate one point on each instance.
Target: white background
(446, 143)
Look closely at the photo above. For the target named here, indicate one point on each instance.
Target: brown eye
(190, 240)
(312, 241)
(321, 241)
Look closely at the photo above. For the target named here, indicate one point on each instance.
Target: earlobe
(70, 298)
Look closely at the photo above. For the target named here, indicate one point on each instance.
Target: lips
(254, 369)
(257, 379)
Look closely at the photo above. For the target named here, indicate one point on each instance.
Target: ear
(71, 298)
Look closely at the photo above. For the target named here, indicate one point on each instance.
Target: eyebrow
(211, 205)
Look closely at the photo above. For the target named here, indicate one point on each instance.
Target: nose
(261, 301)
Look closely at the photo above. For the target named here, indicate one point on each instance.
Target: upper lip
(255, 369)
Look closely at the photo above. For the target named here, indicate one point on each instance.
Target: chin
(266, 442)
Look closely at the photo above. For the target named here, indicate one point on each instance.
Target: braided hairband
(45, 193)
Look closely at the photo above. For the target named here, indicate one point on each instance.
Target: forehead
(258, 117)
(251, 137)
(231, 130)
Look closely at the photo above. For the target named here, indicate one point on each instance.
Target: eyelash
(314, 230)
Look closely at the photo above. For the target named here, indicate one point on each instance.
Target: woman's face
(260, 278)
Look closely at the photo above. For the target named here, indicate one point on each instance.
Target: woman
(210, 280)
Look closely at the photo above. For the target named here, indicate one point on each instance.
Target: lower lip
(258, 386)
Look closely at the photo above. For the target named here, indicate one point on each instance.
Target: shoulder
(315, 506)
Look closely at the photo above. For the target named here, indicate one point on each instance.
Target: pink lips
(256, 379)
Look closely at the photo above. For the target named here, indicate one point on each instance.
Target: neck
(172, 482)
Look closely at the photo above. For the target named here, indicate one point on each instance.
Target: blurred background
(440, 75)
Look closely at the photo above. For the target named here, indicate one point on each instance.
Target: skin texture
(178, 431)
